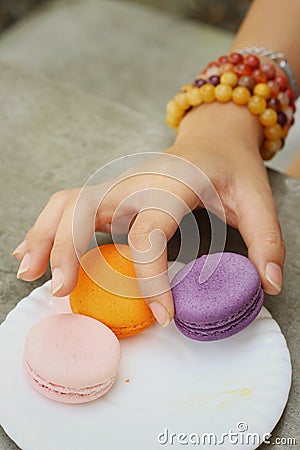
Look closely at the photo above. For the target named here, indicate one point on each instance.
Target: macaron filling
(87, 391)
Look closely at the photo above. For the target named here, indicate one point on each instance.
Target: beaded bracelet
(280, 60)
(245, 80)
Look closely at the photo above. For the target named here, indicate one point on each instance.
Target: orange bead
(263, 90)
(172, 121)
(285, 131)
(223, 92)
(273, 133)
(173, 109)
(268, 117)
(194, 96)
(227, 67)
(266, 154)
(182, 101)
(207, 92)
(256, 104)
(273, 146)
(229, 78)
(240, 95)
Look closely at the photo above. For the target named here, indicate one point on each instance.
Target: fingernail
(160, 313)
(58, 280)
(274, 275)
(21, 248)
(24, 266)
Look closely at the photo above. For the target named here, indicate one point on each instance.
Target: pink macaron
(71, 358)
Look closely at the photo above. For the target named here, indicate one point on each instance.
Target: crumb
(127, 380)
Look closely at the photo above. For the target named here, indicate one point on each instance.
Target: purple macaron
(216, 296)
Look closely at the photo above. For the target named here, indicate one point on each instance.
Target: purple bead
(214, 79)
(200, 82)
(281, 118)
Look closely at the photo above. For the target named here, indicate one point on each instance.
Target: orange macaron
(107, 290)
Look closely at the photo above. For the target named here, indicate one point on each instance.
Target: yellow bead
(194, 97)
(207, 92)
(186, 87)
(240, 95)
(223, 92)
(268, 117)
(273, 133)
(172, 121)
(263, 90)
(173, 109)
(229, 78)
(256, 104)
(182, 100)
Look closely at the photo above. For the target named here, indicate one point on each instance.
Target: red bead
(259, 76)
(282, 82)
(290, 93)
(223, 59)
(268, 69)
(242, 69)
(293, 106)
(274, 88)
(235, 58)
(252, 61)
(274, 103)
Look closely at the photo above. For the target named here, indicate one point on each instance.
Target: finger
(34, 251)
(260, 228)
(72, 238)
(147, 238)
(20, 250)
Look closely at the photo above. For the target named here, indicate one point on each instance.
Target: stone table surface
(55, 137)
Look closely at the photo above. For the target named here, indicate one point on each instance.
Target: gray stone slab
(116, 50)
(54, 137)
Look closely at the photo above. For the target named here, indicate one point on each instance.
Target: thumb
(259, 226)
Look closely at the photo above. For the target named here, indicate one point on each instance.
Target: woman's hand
(150, 200)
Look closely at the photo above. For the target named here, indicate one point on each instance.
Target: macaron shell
(222, 305)
(108, 291)
(72, 351)
(217, 332)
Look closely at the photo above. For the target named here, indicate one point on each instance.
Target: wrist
(227, 124)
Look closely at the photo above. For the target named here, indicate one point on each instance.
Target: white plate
(166, 381)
